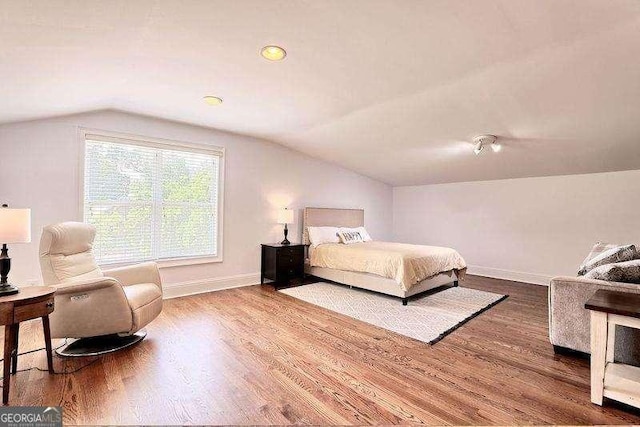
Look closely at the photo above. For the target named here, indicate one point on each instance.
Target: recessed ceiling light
(478, 148)
(481, 141)
(212, 100)
(273, 53)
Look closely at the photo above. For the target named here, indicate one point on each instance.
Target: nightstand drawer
(290, 258)
(293, 251)
(291, 272)
(31, 311)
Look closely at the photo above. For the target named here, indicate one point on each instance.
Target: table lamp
(285, 216)
(15, 227)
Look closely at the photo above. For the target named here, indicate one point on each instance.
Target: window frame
(167, 144)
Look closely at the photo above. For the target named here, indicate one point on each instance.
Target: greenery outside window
(152, 200)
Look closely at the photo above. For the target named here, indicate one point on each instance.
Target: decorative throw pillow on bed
(320, 235)
(363, 232)
(349, 237)
(628, 272)
(608, 256)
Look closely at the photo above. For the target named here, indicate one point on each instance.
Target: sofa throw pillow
(596, 250)
(627, 272)
(349, 237)
(609, 256)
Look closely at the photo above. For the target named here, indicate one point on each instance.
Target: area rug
(427, 318)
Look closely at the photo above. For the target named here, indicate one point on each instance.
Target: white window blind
(149, 201)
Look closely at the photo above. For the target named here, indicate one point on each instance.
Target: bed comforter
(404, 263)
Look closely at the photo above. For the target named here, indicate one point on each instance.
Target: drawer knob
(50, 304)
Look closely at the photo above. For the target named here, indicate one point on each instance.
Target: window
(151, 200)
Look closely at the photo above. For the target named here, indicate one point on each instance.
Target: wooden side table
(30, 303)
(615, 381)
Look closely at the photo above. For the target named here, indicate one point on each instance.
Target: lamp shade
(15, 225)
(285, 216)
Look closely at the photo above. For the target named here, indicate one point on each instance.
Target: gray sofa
(569, 321)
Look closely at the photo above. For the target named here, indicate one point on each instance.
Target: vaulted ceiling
(395, 90)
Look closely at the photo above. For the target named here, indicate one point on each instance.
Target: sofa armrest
(85, 285)
(599, 284)
(146, 272)
(569, 321)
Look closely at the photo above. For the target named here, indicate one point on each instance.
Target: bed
(395, 269)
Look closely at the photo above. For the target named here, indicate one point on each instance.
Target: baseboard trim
(195, 287)
(516, 276)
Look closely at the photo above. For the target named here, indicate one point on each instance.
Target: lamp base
(8, 289)
(286, 233)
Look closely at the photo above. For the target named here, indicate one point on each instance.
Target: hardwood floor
(254, 356)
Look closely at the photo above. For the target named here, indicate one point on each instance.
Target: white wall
(524, 229)
(39, 169)
(527, 229)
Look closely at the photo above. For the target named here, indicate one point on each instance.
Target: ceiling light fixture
(212, 100)
(481, 141)
(273, 53)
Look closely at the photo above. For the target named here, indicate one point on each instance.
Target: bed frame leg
(455, 283)
(405, 301)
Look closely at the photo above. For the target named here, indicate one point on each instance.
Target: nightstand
(282, 263)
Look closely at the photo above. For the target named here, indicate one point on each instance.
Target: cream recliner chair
(108, 308)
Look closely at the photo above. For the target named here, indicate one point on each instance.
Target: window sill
(177, 262)
(169, 263)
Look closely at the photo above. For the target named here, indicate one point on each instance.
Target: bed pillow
(320, 235)
(349, 237)
(363, 232)
(609, 256)
(627, 272)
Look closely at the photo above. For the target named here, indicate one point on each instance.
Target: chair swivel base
(95, 346)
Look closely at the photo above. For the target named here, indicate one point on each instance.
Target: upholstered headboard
(329, 217)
